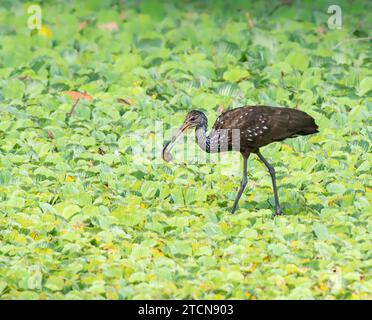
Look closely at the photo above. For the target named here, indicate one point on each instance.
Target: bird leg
(278, 210)
(243, 183)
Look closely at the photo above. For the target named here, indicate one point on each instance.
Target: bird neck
(201, 138)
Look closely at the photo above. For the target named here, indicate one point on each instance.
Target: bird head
(194, 119)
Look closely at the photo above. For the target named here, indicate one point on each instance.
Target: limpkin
(246, 129)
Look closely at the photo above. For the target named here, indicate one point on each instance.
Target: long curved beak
(170, 144)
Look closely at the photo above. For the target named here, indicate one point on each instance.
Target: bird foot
(278, 212)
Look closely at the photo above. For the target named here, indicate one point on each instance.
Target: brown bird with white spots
(246, 130)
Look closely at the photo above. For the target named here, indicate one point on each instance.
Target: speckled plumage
(259, 126)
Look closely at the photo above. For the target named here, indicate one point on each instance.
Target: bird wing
(251, 121)
(260, 125)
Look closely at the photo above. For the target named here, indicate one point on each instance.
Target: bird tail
(302, 124)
